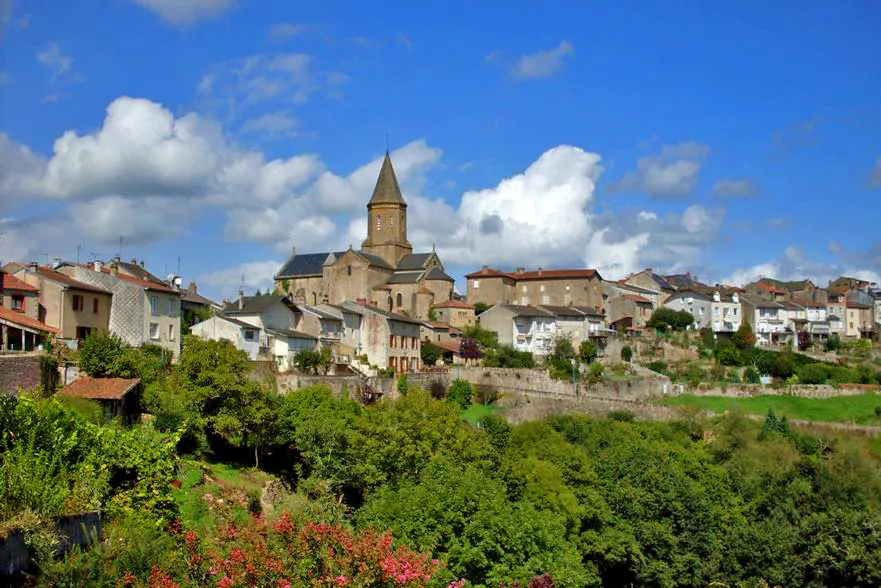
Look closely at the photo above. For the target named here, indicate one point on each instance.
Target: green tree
(744, 338)
(314, 361)
(429, 353)
(587, 351)
(481, 307)
(106, 355)
(432, 313)
(486, 339)
(626, 353)
(833, 343)
(460, 392)
(666, 318)
(403, 386)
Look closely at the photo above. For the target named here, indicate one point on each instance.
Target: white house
(526, 328)
(697, 303)
(768, 319)
(242, 335)
(727, 312)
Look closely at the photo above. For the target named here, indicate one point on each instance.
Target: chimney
(193, 288)
(294, 251)
(34, 265)
(241, 298)
(134, 261)
(142, 263)
(56, 263)
(98, 265)
(539, 271)
(362, 301)
(114, 269)
(486, 267)
(521, 269)
(648, 270)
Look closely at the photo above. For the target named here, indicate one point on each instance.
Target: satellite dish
(177, 281)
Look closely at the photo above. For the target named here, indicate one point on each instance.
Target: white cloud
(542, 64)
(283, 31)
(185, 12)
(672, 173)
(875, 174)
(793, 264)
(273, 125)
(255, 274)
(730, 188)
(56, 62)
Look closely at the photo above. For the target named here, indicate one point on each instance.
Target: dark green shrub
(657, 366)
(626, 353)
(751, 375)
(814, 373)
(460, 393)
(728, 356)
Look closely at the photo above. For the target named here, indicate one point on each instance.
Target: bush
(508, 357)
(587, 351)
(728, 356)
(814, 373)
(833, 343)
(657, 366)
(621, 416)
(437, 389)
(596, 372)
(429, 354)
(626, 353)
(106, 355)
(708, 338)
(460, 393)
(403, 385)
(666, 318)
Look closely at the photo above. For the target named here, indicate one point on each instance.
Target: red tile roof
(454, 346)
(142, 283)
(486, 272)
(454, 304)
(635, 298)
(51, 274)
(10, 282)
(16, 318)
(100, 388)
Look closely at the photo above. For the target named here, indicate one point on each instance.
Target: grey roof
(759, 302)
(320, 312)
(589, 311)
(563, 310)
(291, 334)
(660, 281)
(375, 260)
(438, 274)
(688, 292)
(387, 190)
(139, 272)
(187, 295)
(523, 310)
(679, 280)
(405, 278)
(361, 309)
(414, 261)
(310, 264)
(329, 310)
(237, 322)
(254, 304)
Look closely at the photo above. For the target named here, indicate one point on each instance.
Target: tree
(486, 339)
(626, 353)
(666, 318)
(481, 307)
(403, 385)
(106, 355)
(744, 338)
(429, 353)
(432, 313)
(460, 392)
(311, 361)
(833, 343)
(587, 351)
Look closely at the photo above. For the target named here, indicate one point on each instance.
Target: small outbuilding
(119, 397)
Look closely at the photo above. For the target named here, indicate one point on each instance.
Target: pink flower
(341, 580)
(225, 582)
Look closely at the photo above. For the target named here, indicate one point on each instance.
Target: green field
(475, 412)
(842, 409)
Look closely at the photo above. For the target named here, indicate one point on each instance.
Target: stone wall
(19, 372)
(519, 407)
(746, 390)
(357, 386)
(73, 530)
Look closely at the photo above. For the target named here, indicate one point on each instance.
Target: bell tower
(387, 218)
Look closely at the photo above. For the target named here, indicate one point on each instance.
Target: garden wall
(73, 530)
(746, 390)
(19, 372)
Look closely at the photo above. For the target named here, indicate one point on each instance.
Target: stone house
(556, 287)
(74, 308)
(859, 322)
(20, 326)
(649, 280)
(119, 397)
(141, 311)
(389, 340)
(629, 312)
(384, 272)
(456, 313)
(526, 328)
(700, 306)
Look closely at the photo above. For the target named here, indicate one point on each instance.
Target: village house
(629, 312)
(141, 311)
(384, 272)
(455, 313)
(20, 325)
(244, 336)
(579, 323)
(118, 397)
(700, 306)
(767, 319)
(556, 287)
(859, 322)
(526, 328)
(389, 340)
(653, 282)
(727, 312)
(436, 331)
(73, 308)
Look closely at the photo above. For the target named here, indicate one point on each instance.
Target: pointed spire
(387, 190)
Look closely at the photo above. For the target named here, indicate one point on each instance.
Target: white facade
(727, 313)
(243, 336)
(699, 305)
(534, 334)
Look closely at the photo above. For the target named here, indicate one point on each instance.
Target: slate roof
(374, 260)
(387, 190)
(660, 281)
(139, 272)
(636, 298)
(291, 334)
(759, 302)
(310, 264)
(688, 292)
(438, 274)
(589, 311)
(563, 310)
(523, 310)
(679, 280)
(361, 309)
(100, 388)
(60, 278)
(405, 277)
(414, 261)
(237, 322)
(253, 305)
(322, 313)
(544, 274)
(10, 282)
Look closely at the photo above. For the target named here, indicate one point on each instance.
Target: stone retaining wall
(19, 372)
(73, 530)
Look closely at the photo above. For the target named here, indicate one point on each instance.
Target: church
(384, 273)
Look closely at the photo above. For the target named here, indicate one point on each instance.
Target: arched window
(314, 298)
(348, 270)
(389, 302)
(400, 299)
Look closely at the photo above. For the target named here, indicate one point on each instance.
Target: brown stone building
(455, 313)
(384, 272)
(557, 287)
(629, 312)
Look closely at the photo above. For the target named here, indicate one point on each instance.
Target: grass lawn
(841, 409)
(475, 412)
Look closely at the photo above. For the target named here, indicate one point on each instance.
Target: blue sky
(731, 140)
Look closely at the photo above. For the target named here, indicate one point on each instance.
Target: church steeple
(387, 190)
(387, 218)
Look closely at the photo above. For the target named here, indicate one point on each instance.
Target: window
(82, 332)
(391, 340)
(171, 332)
(567, 287)
(171, 306)
(716, 311)
(701, 310)
(95, 305)
(378, 222)
(250, 335)
(77, 302)
(18, 303)
(400, 299)
(154, 331)
(348, 270)
(735, 311)
(541, 288)
(154, 304)
(475, 284)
